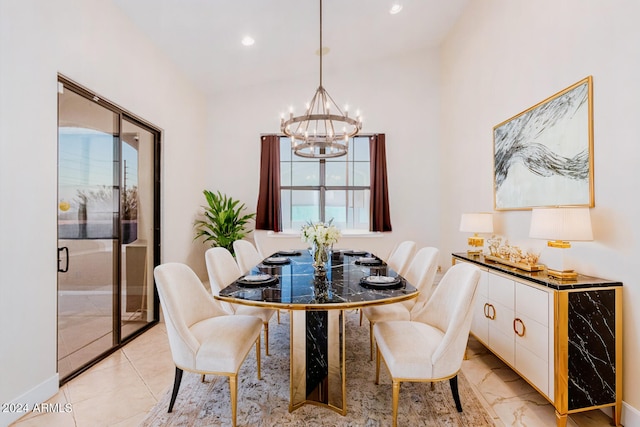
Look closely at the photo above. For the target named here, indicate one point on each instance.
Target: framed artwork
(544, 155)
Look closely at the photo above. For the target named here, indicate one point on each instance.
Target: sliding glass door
(107, 227)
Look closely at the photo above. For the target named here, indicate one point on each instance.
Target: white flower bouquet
(320, 236)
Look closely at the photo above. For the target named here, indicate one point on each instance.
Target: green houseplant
(223, 221)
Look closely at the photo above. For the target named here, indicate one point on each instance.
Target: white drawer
(532, 302)
(535, 338)
(503, 320)
(480, 323)
(501, 289)
(483, 284)
(502, 345)
(534, 369)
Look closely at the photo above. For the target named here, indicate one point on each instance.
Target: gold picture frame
(544, 155)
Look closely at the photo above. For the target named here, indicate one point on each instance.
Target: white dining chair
(247, 256)
(430, 347)
(421, 274)
(203, 338)
(400, 258)
(223, 270)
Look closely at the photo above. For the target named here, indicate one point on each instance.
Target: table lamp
(560, 226)
(476, 223)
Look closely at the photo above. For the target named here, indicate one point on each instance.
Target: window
(335, 189)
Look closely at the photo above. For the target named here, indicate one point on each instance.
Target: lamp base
(562, 275)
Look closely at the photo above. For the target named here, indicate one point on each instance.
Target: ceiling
(204, 36)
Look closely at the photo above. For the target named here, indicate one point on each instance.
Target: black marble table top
(297, 287)
(539, 277)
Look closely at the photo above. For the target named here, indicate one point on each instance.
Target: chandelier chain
(324, 130)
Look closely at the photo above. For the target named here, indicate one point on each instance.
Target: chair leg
(396, 394)
(378, 366)
(266, 338)
(360, 317)
(258, 362)
(453, 382)
(278, 313)
(176, 387)
(233, 389)
(371, 340)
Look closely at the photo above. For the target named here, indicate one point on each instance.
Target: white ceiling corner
(203, 37)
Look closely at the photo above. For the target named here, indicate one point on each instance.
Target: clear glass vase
(320, 257)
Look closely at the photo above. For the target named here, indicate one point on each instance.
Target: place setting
(355, 252)
(369, 261)
(288, 253)
(381, 282)
(256, 280)
(276, 260)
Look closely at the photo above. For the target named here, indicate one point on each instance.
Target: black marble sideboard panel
(592, 348)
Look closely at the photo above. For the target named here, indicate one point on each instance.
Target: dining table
(316, 300)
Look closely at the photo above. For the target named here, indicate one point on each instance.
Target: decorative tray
(520, 265)
(381, 282)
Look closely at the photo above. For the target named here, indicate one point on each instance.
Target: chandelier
(324, 130)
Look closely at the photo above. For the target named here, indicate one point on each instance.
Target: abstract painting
(544, 155)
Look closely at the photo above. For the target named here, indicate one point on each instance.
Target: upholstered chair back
(222, 270)
(401, 256)
(185, 302)
(247, 256)
(450, 309)
(421, 273)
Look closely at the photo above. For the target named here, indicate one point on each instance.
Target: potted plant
(223, 221)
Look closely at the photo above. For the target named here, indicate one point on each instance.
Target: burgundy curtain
(379, 216)
(268, 215)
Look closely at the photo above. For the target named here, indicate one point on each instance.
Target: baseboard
(630, 416)
(20, 406)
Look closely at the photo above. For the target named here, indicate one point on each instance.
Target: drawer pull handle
(517, 321)
(489, 311)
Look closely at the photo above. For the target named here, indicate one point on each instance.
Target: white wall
(397, 96)
(91, 42)
(504, 57)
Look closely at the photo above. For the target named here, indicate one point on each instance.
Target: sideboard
(563, 337)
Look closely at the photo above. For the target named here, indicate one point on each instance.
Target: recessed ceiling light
(248, 41)
(395, 8)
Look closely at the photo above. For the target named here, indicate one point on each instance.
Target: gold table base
(324, 383)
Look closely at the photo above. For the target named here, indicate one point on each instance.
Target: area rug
(266, 402)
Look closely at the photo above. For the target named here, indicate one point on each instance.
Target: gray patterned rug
(266, 402)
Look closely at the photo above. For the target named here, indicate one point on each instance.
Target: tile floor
(120, 390)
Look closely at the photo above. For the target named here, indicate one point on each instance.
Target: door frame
(118, 341)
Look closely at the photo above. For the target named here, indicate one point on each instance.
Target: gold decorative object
(476, 223)
(560, 225)
(512, 256)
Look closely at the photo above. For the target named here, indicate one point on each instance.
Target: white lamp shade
(476, 222)
(563, 223)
